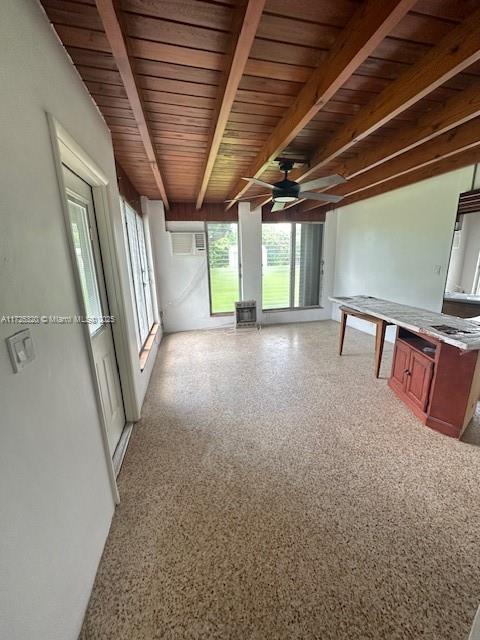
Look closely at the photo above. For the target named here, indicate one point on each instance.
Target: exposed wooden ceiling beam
(455, 141)
(458, 110)
(210, 212)
(451, 163)
(372, 21)
(463, 138)
(289, 215)
(118, 46)
(244, 27)
(456, 51)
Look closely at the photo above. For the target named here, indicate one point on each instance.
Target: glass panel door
(79, 221)
(308, 264)
(223, 266)
(89, 267)
(276, 260)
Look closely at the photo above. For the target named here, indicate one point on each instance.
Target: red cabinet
(418, 379)
(412, 374)
(401, 360)
(440, 383)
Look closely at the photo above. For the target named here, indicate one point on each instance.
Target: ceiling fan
(287, 191)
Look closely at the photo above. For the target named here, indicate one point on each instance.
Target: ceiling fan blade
(259, 195)
(260, 182)
(326, 181)
(322, 197)
(278, 206)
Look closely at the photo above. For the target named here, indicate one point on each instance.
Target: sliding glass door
(223, 266)
(292, 265)
(277, 265)
(308, 264)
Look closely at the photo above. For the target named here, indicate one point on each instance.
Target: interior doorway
(462, 288)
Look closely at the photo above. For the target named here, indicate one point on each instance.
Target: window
(86, 264)
(292, 265)
(140, 282)
(223, 270)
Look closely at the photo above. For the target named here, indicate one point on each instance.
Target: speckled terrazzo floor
(273, 490)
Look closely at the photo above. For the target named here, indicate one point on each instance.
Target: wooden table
(435, 364)
(381, 326)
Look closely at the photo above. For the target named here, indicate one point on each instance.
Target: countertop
(461, 333)
(464, 298)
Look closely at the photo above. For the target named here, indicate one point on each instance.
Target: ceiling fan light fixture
(285, 191)
(288, 191)
(284, 198)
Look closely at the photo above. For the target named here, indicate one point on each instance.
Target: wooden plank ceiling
(372, 90)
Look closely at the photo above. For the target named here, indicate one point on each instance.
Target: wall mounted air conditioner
(188, 244)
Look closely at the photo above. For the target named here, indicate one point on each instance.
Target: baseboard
(121, 448)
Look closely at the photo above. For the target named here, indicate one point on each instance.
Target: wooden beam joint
(117, 42)
(244, 27)
(372, 21)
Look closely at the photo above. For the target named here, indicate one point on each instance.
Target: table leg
(379, 340)
(343, 324)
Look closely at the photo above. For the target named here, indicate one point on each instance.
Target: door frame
(67, 152)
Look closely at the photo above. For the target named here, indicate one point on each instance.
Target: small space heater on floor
(245, 313)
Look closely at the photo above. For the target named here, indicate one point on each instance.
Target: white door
(89, 264)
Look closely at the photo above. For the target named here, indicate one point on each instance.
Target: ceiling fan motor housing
(285, 190)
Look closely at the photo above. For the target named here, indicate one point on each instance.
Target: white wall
(250, 241)
(182, 281)
(55, 499)
(392, 246)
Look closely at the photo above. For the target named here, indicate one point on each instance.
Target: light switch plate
(21, 349)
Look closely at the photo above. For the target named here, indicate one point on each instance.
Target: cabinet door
(419, 378)
(401, 360)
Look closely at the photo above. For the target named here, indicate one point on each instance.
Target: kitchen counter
(458, 332)
(461, 305)
(464, 298)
